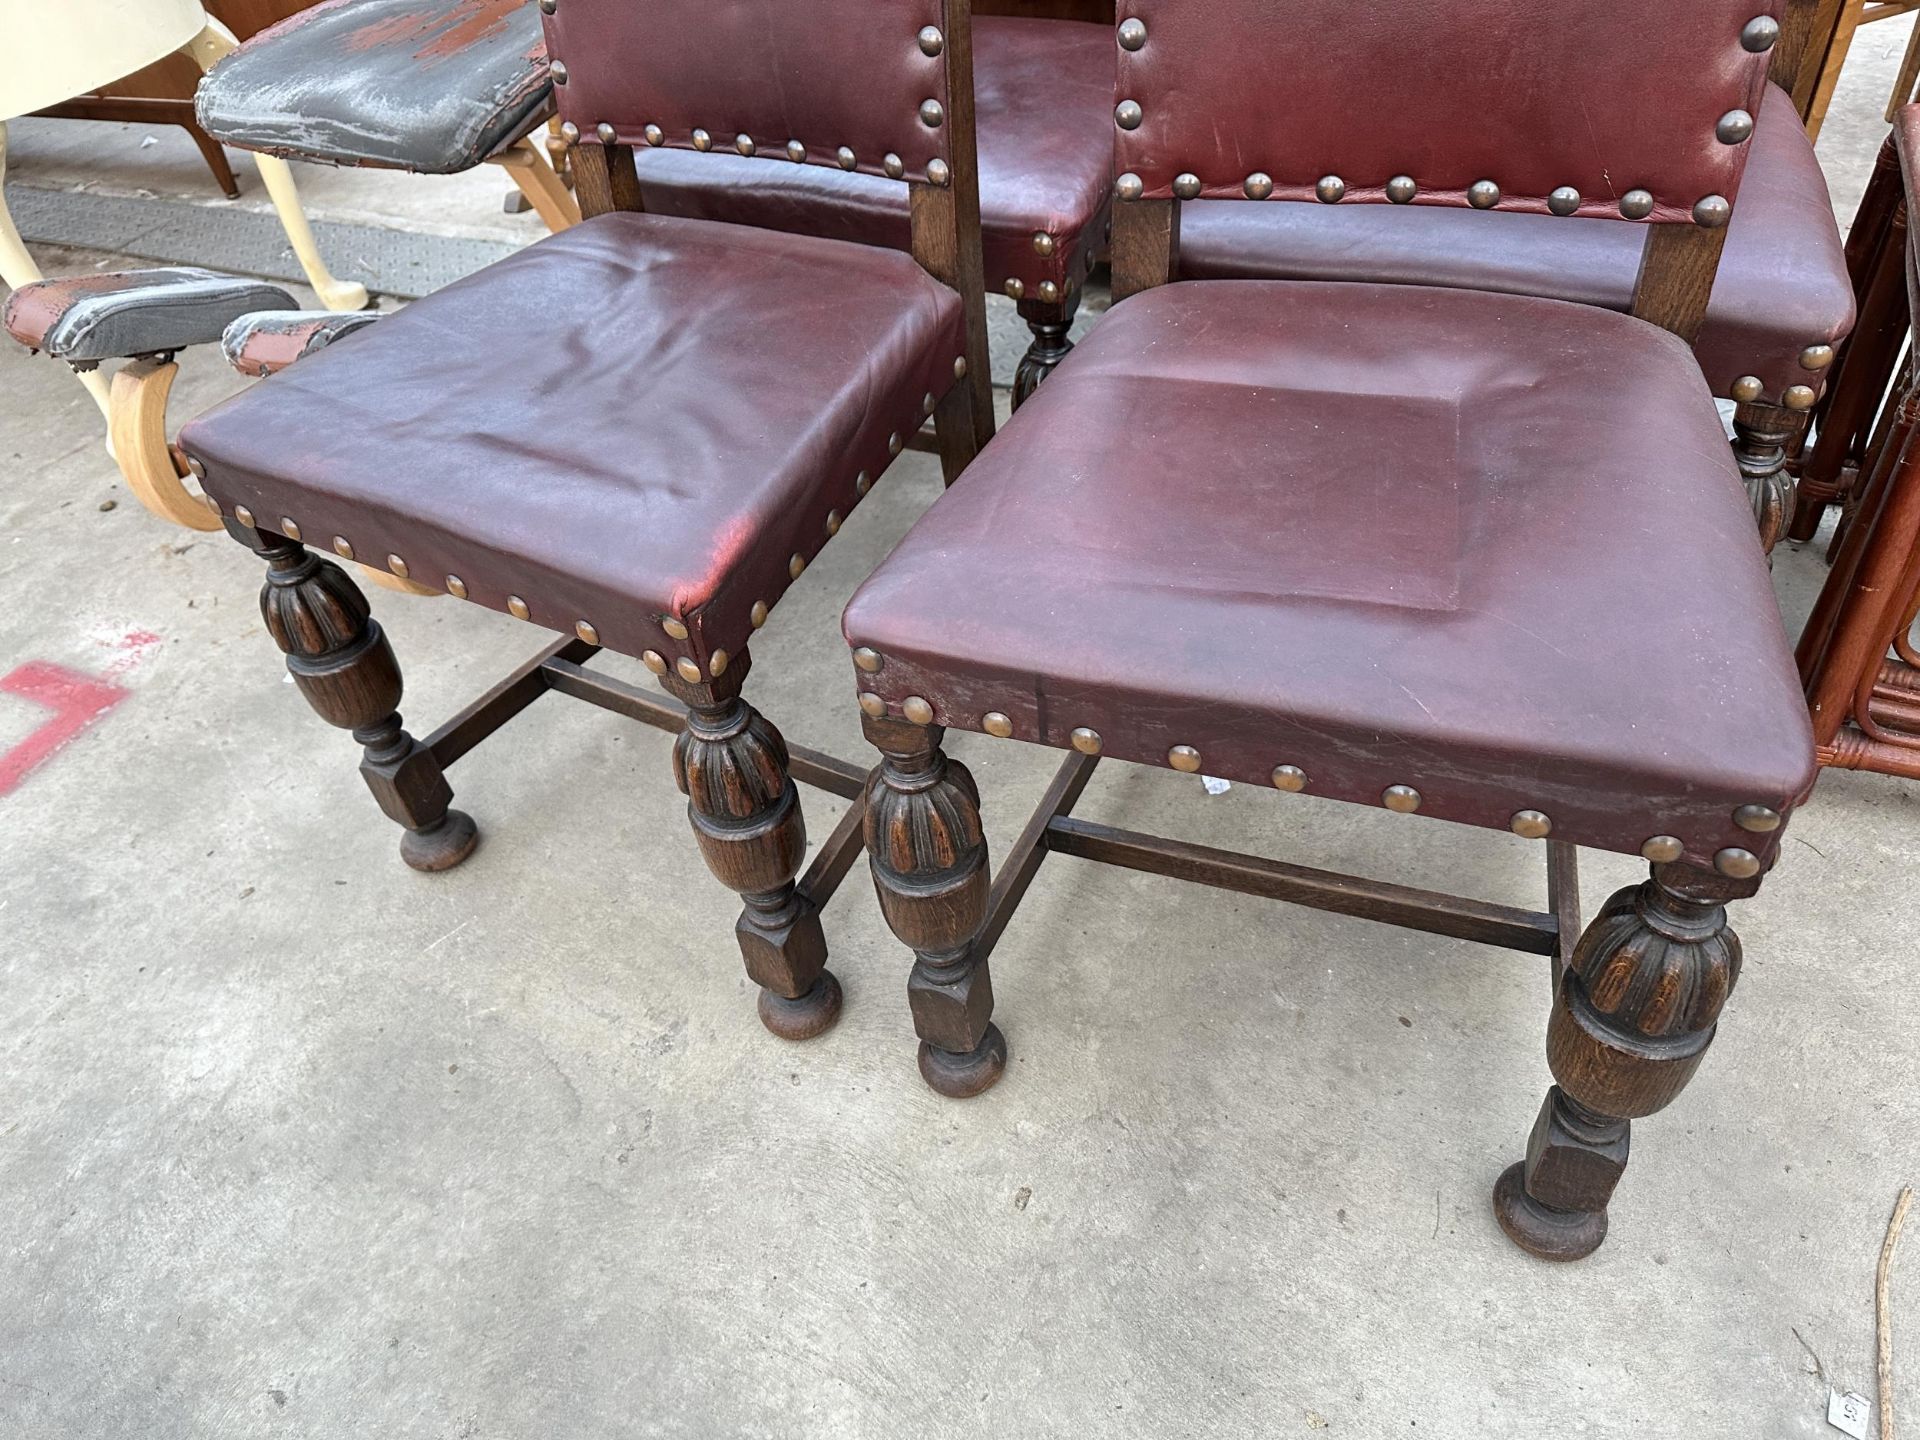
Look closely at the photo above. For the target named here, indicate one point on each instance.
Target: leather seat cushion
(429, 85)
(642, 417)
(1782, 286)
(1044, 108)
(88, 318)
(1491, 547)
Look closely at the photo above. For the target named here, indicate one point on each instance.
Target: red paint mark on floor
(76, 701)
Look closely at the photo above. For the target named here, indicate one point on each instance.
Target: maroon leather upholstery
(732, 68)
(1393, 536)
(1602, 97)
(640, 418)
(1782, 287)
(1044, 104)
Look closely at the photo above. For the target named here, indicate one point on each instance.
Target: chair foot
(961, 1077)
(1541, 1230)
(814, 1013)
(442, 845)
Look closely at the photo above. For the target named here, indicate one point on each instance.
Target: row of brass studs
(1749, 388)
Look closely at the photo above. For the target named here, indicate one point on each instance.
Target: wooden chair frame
(344, 665)
(928, 855)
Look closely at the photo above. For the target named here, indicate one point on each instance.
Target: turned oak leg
(1635, 1012)
(1762, 436)
(1049, 324)
(731, 764)
(340, 659)
(929, 859)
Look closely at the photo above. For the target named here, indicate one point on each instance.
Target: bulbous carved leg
(340, 659)
(1636, 1010)
(929, 860)
(731, 764)
(1761, 437)
(1049, 324)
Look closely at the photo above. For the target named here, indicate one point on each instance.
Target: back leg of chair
(1049, 322)
(731, 764)
(1636, 1009)
(340, 659)
(1762, 437)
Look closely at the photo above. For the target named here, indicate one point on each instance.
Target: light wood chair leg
(540, 183)
(138, 425)
(1836, 61)
(205, 50)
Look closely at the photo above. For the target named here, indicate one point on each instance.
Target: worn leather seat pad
(1491, 547)
(1044, 106)
(1782, 285)
(641, 417)
(87, 318)
(266, 342)
(429, 85)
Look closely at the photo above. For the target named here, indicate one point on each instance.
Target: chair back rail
(1638, 111)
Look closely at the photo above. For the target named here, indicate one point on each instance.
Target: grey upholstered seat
(90, 318)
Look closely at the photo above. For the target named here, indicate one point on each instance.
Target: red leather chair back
(860, 84)
(1603, 97)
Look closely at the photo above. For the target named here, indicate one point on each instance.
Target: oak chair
(1485, 558)
(631, 434)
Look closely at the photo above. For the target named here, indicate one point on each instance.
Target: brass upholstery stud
(1747, 389)
(341, 546)
(1184, 757)
(654, 661)
(1663, 849)
(547, 7)
(932, 114)
(1760, 34)
(796, 565)
(717, 665)
(195, 468)
(996, 725)
(517, 608)
(606, 132)
(1128, 115)
(1401, 189)
(702, 140)
(894, 443)
(869, 659)
(938, 172)
(1530, 824)
(558, 70)
(397, 566)
(456, 587)
(1483, 194)
(584, 629)
(243, 515)
(1049, 292)
(848, 160)
(916, 709)
(289, 528)
(655, 135)
(1737, 864)
(1401, 799)
(1042, 243)
(796, 152)
(1129, 187)
(834, 522)
(1734, 128)
(1564, 201)
(1711, 212)
(928, 403)
(1758, 818)
(931, 41)
(569, 132)
(894, 166)
(1816, 357)
(687, 670)
(1259, 185)
(1636, 204)
(1290, 778)
(959, 367)
(1330, 189)
(872, 704)
(1799, 397)
(862, 483)
(744, 144)
(1186, 186)
(1133, 34)
(1016, 288)
(1086, 741)
(758, 615)
(676, 628)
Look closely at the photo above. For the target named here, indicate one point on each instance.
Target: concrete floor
(297, 1143)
